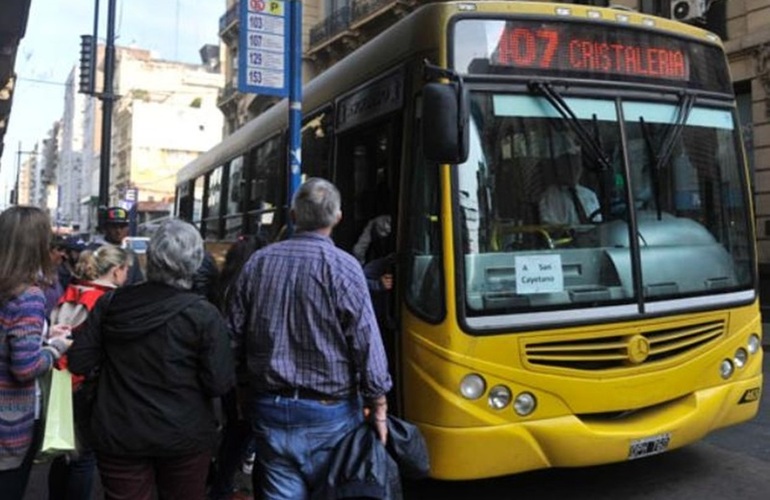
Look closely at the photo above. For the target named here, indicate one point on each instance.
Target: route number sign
(263, 59)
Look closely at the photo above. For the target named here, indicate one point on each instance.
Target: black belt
(302, 393)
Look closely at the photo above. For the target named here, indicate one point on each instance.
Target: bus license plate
(649, 446)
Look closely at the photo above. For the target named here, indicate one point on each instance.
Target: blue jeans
(294, 440)
(72, 478)
(13, 482)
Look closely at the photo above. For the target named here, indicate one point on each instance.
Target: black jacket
(361, 467)
(162, 354)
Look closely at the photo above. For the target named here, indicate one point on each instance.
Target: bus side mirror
(445, 132)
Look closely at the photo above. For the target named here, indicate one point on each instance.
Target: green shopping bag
(59, 434)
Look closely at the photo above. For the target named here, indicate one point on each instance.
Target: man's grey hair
(316, 205)
(174, 254)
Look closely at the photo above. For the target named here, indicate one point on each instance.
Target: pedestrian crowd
(274, 365)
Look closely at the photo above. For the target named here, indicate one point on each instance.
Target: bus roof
(398, 42)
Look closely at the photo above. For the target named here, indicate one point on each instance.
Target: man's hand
(378, 417)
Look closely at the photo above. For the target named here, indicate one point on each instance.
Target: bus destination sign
(585, 50)
(551, 48)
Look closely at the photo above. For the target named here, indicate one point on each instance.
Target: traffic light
(87, 64)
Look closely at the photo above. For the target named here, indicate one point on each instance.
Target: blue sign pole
(295, 96)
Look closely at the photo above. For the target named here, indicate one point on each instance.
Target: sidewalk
(37, 489)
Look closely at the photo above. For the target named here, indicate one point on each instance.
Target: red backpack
(77, 301)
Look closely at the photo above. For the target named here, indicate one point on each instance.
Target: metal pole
(295, 97)
(15, 197)
(107, 101)
(95, 42)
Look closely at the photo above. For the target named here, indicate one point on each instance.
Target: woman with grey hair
(162, 354)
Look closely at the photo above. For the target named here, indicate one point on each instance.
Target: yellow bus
(574, 246)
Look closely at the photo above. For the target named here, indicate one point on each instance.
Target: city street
(732, 463)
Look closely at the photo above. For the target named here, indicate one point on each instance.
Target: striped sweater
(22, 320)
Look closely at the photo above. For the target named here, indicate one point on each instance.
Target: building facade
(73, 178)
(748, 47)
(37, 174)
(165, 116)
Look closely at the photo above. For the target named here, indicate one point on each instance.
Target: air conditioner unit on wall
(684, 10)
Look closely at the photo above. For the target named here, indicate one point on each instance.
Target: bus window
(522, 255)
(184, 201)
(697, 182)
(267, 188)
(233, 202)
(197, 212)
(211, 226)
(317, 146)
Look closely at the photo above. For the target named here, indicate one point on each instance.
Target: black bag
(360, 467)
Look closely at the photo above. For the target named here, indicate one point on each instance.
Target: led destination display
(585, 50)
(549, 48)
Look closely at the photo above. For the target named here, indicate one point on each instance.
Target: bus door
(368, 122)
(366, 173)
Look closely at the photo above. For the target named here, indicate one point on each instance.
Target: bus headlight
(740, 358)
(754, 343)
(524, 404)
(472, 386)
(726, 368)
(499, 397)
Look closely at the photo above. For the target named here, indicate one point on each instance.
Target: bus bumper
(576, 441)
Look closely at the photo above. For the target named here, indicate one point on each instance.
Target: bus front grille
(622, 350)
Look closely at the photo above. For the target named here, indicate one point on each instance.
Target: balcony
(350, 26)
(330, 28)
(367, 10)
(226, 95)
(228, 24)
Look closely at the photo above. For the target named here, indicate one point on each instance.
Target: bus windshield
(546, 227)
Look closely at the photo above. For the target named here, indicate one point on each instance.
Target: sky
(173, 30)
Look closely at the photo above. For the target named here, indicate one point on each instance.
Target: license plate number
(649, 446)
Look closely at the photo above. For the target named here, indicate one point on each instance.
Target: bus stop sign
(263, 61)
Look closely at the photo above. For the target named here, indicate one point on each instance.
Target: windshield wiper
(590, 143)
(671, 137)
(674, 130)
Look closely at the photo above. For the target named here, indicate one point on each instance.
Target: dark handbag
(406, 445)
